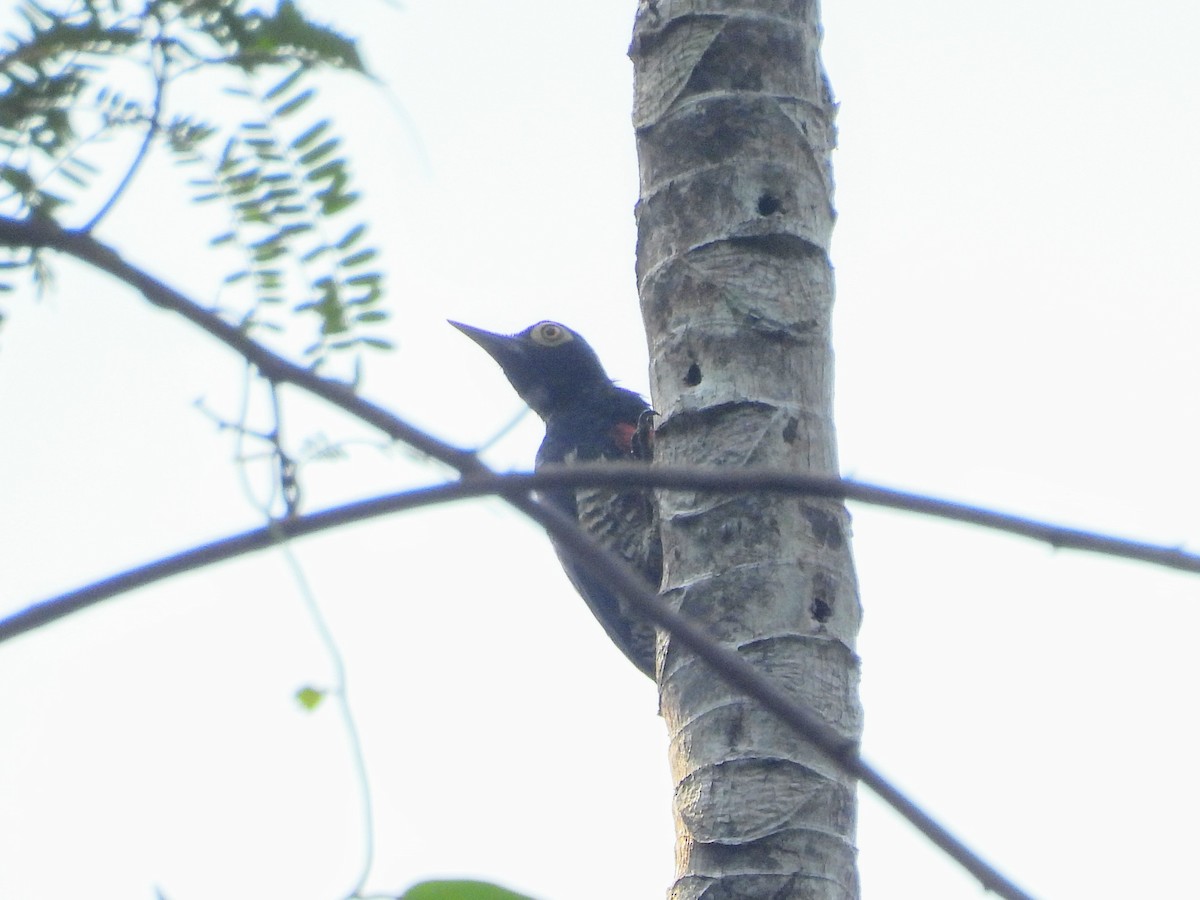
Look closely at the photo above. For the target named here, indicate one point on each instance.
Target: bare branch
(43, 233)
(517, 486)
(778, 481)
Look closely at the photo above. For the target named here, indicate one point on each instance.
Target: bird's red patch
(622, 435)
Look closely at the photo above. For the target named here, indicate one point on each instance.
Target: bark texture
(734, 120)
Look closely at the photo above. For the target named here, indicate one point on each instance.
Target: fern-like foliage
(277, 168)
(44, 76)
(287, 188)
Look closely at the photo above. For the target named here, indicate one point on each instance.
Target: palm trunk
(734, 121)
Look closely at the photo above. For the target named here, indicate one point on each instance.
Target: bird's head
(549, 364)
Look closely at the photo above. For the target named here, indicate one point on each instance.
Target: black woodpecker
(588, 418)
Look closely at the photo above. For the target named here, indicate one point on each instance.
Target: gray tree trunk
(734, 120)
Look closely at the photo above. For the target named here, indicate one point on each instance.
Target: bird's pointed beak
(503, 348)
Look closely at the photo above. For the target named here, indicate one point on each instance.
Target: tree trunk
(734, 121)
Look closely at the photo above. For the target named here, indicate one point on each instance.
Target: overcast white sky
(1016, 326)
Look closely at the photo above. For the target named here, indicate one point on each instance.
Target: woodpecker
(588, 418)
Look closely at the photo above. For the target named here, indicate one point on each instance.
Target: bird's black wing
(623, 521)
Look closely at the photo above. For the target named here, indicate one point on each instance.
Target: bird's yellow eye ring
(550, 334)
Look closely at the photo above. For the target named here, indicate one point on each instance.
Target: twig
(159, 62)
(341, 699)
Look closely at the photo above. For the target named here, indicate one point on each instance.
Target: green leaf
(319, 152)
(377, 342)
(309, 697)
(310, 135)
(294, 228)
(351, 236)
(269, 252)
(332, 204)
(290, 106)
(371, 279)
(460, 890)
(264, 148)
(285, 85)
(357, 259)
(330, 170)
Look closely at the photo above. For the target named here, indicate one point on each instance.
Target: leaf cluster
(45, 72)
(73, 74)
(287, 187)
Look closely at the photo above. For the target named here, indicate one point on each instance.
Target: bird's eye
(550, 334)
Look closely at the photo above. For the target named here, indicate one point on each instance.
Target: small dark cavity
(735, 729)
(769, 204)
(825, 527)
(693, 377)
(821, 611)
(791, 429)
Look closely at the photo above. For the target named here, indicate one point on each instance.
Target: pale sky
(1016, 326)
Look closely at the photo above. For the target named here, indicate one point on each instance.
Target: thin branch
(518, 485)
(289, 487)
(341, 692)
(781, 481)
(159, 62)
(43, 233)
